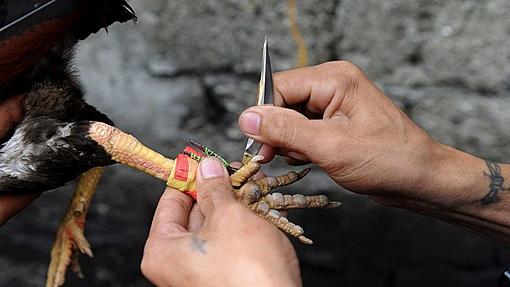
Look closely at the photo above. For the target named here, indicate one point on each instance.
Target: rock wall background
(188, 68)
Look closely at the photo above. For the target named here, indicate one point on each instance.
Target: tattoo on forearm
(496, 183)
(197, 244)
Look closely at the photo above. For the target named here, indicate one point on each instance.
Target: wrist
(463, 189)
(450, 179)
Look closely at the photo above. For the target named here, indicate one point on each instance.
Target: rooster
(61, 137)
(50, 147)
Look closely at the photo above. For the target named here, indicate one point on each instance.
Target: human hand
(217, 242)
(338, 119)
(11, 113)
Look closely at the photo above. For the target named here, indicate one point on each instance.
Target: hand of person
(335, 117)
(217, 242)
(11, 113)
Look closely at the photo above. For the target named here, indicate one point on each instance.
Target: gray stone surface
(225, 35)
(474, 123)
(187, 69)
(421, 43)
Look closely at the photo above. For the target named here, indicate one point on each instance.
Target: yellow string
(302, 55)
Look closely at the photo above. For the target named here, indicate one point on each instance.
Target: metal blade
(265, 97)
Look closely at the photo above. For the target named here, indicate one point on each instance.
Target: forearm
(465, 190)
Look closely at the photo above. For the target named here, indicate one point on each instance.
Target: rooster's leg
(125, 149)
(70, 238)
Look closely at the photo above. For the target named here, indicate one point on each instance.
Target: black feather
(101, 14)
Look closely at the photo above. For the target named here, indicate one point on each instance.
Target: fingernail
(250, 123)
(211, 167)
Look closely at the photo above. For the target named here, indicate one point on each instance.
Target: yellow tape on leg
(183, 175)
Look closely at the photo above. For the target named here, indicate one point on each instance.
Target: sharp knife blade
(265, 97)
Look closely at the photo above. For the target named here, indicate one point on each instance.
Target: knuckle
(348, 68)
(147, 266)
(347, 77)
(178, 204)
(150, 265)
(346, 72)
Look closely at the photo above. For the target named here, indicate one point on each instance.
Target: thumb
(285, 128)
(214, 188)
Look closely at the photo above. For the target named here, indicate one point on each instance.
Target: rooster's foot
(70, 240)
(256, 195)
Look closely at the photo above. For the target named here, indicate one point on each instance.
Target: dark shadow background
(188, 68)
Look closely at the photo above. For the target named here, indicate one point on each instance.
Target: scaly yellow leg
(126, 149)
(70, 238)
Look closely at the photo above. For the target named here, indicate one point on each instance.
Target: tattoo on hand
(496, 183)
(198, 244)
